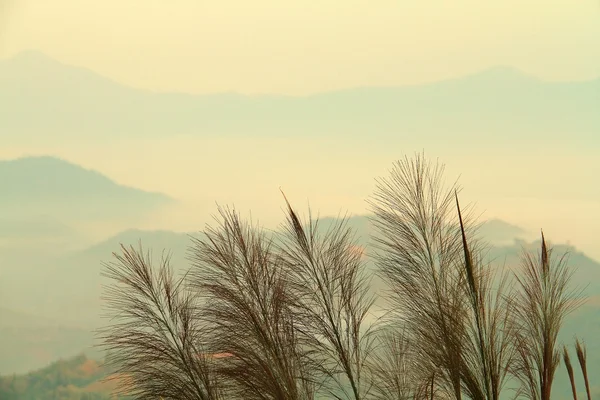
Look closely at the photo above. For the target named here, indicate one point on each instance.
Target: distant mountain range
(71, 283)
(43, 99)
(60, 191)
(68, 287)
(30, 341)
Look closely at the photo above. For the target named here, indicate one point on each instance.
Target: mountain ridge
(74, 103)
(35, 58)
(68, 194)
(38, 169)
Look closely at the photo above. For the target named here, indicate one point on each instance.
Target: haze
(299, 47)
(178, 105)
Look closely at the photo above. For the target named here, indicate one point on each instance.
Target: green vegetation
(293, 315)
(78, 378)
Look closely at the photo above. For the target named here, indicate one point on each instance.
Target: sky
(299, 47)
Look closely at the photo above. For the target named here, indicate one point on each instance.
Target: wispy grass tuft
(544, 299)
(582, 358)
(331, 289)
(569, 367)
(154, 340)
(249, 307)
(286, 316)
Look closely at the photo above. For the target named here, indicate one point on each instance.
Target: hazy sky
(298, 47)
(304, 46)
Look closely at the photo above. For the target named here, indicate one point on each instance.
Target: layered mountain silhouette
(72, 102)
(84, 266)
(42, 99)
(68, 287)
(55, 188)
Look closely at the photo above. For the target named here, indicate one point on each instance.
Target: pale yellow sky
(302, 46)
(298, 47)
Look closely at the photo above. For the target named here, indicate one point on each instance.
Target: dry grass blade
(569, 366)
(582, 358)
(154, 340)
(484, 387)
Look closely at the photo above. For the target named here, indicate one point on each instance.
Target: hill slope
(54, 187)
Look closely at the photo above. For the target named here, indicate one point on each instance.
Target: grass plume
(544, 299)
(582, 358)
